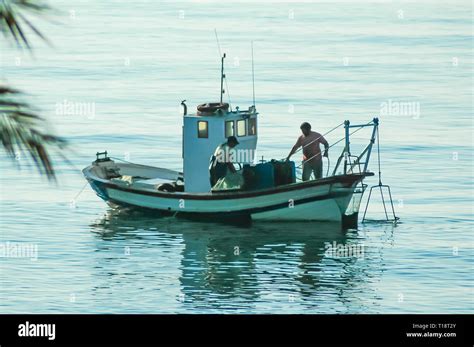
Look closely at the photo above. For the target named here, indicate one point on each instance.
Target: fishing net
(230, 181)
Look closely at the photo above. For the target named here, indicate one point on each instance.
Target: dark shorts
(312, 166)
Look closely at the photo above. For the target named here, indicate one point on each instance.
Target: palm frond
(12, 21)
(21, 132)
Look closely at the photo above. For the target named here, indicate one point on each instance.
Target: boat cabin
(206, 129)
(210, 127)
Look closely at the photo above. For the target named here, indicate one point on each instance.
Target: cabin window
(252, 126)
(241, 128)
(229, 128)
(203, 132)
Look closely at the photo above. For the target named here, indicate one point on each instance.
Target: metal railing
(350, 161)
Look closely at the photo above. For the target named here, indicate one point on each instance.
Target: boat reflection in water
(184, 266)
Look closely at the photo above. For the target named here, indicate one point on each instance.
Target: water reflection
(263, 266)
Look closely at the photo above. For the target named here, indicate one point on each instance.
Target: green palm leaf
(22, 132)
(13, 22)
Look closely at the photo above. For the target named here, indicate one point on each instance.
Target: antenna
(253, 79)
(222, 56)
(222, 76)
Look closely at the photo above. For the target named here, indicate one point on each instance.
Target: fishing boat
(270, 190)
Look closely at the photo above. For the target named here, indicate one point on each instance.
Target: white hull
(322, 200)
(290, 205)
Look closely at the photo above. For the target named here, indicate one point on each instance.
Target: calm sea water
(321, 62)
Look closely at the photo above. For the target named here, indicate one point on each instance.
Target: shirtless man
(312, 161)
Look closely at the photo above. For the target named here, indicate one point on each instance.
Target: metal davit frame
(351, 161)
(359, 164)
(381, 186)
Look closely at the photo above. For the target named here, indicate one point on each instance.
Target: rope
(378, 157)
(335, 143)
(227, 92)
(329, 164)
(327, 171)
(82, 189)
(125, 161)
(330, 131)
(85, 185)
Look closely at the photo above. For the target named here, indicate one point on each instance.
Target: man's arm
(295, 147)
(326, 145)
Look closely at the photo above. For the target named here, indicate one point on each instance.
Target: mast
(253, 80)
(222, 76)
